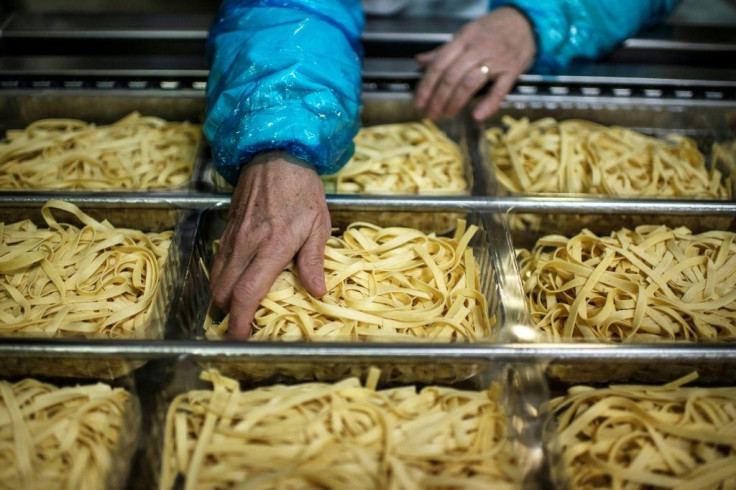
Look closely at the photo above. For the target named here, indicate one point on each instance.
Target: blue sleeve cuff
(569, 29)
(284, 78)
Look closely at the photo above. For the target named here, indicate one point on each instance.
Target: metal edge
(573, 353)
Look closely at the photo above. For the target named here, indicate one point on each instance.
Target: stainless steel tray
(161, 321)
(490, 249)
(523, 386)
(20, 108)
(705, 121)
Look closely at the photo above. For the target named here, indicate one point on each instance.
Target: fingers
(427, 58)
(232, 258)
(459, 83)
(443, 58)
(252, 285)
(310, 261)
(492, 101)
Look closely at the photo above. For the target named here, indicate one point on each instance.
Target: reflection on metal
(573, 353)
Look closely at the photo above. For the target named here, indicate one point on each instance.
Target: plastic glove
(278, 211)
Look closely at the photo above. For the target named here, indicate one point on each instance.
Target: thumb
(310, 264)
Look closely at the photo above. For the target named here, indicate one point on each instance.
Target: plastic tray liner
(710, 125)
(20, 109)
(161, 322)
(523, 391)
(639, 371)
(642, 413)
(389, 108)
(489, 250)
(123, 451)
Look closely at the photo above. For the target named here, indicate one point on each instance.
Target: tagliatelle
(638, 437)
(653, 283)
(62, 437)
(383, 284)
(94, 281)
(135, 153)
(584, 157)
(337, 436)
(409, 158)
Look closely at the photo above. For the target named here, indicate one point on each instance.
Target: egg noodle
(135, 153)
(383, 284)
(638, 437)
(651, 283)
(578, 156)
(337, 436)
(60, 437)
(410, 158)
(62, 280)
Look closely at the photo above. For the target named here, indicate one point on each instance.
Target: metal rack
(42, 84)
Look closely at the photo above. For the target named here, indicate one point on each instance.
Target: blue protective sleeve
(570, 29)
(284, 75)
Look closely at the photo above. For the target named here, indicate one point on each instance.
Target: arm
(572, 29)
(518, 34)
(282, 103)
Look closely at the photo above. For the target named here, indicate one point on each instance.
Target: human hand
(499, 46)
(278, 211)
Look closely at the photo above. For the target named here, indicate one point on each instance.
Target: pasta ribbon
(653, 283)
(383, 284)
(93, 281)
(134, 153)
(408, 158)
(639, 437)
(578, 156)
(335, 436)
(60, 437)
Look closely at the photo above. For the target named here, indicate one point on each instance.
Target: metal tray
(162, 317)
(20, 108)
(558, 472)
(129, 436)
(490, 249)
(541, 224)
(386, 108)
(523, 386)
(706, 121)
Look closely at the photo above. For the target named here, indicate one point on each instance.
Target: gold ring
(484, 69)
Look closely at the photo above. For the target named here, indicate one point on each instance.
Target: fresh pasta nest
(383, 284)
(134, 153)
(639, 437)
(574, 156)
(337, 436)
(406, 158)
(75, 437)
(93, 281)
(653, 283)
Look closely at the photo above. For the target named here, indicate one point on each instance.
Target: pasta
(135, 153)
(383, 284)
(337, 436)
(411, 158)
(648, 284)
(63, 437)
(583, 157)
(638, 437)
(94, 281)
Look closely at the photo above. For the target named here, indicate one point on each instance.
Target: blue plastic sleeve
(588, 29)
(284, 75)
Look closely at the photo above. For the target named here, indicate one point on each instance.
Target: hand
(498, 46)
(278, 211)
